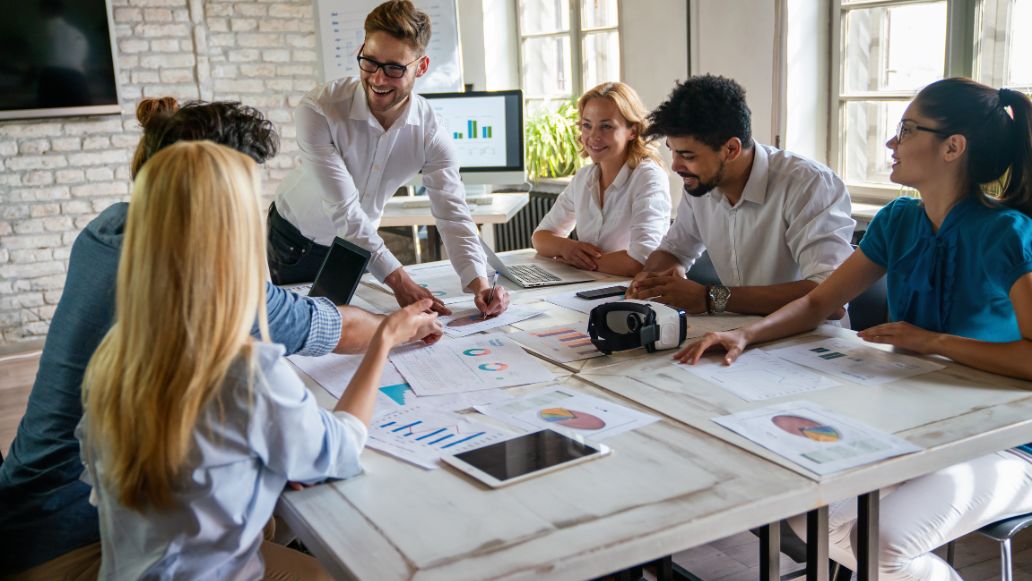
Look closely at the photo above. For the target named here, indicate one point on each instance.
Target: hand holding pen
(492, 301)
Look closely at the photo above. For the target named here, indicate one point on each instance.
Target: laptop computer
(535, 275)
(340, 273)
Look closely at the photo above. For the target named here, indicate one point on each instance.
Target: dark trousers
(293, 258)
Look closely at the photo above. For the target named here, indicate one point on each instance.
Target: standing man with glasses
(360, 140)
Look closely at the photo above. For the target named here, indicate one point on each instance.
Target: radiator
(515, 234)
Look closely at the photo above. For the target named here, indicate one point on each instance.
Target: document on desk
(423, 436)
(856, 362)
(400, 395)
(574, 414)
(817, 439)
(334, 372)
(561, 343)
(439, 279)
(699, 325)
(468, 320)
(468, 364)
(570, 300)
(757, 375)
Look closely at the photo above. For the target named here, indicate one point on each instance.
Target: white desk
(501, 209)
(675, 484)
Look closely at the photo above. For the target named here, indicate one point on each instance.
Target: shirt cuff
(326, 328)
(383, 265)
(355, 428)
(470, 273)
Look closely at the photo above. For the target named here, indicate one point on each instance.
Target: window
(890, 49)
(560, 61)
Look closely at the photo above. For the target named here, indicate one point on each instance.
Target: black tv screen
(56, 59)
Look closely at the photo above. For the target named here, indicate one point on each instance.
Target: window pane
(894, 48)
(546, 67)
(598, 13)
(601, 58)
(541, 16)
(1020, 44)
(868, 125)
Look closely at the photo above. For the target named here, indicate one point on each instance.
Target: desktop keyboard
(424, 201)
(531, 273)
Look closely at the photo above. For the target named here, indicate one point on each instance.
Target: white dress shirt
(792, 223)
(351, 166)
(635, 216)
(265, 429)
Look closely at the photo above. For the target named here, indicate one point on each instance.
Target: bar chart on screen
(422, 436)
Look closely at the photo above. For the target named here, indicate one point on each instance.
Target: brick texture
(57, 174)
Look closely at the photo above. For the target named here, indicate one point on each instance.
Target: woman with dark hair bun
(958, 262)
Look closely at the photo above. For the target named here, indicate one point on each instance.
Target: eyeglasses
(906, 127)
(394, 71)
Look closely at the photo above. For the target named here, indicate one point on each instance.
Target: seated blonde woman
(620, 204)
(192, 427)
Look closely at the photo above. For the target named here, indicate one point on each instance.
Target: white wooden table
(675, 484)
(501, 209)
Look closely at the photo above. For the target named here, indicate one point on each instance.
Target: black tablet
(340, 272)
(523, 457)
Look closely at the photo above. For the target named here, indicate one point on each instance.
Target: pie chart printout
(806, 428)
(572, 419)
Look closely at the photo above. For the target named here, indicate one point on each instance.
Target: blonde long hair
(634, 113)
(191, 283)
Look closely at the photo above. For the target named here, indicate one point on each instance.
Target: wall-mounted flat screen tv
(56, 59)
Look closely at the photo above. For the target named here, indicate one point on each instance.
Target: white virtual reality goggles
(630, 324)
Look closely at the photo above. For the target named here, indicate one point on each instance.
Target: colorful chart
(493, 366)
(430, 435)
(396, 392)
(476, 352)
(807, 428)
(469, 320)
(572, 419)
(570, 339)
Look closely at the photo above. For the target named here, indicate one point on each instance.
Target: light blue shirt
(242, 456)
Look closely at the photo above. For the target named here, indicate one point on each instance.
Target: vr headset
(630, 324)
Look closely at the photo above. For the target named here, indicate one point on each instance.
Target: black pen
(491, 293)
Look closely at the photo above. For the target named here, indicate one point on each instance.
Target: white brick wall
(57, 174)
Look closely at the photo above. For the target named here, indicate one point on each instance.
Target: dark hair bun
(150, 108)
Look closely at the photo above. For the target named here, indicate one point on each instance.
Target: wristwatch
(716, 298)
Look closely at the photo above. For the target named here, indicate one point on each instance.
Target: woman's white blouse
(635, 216)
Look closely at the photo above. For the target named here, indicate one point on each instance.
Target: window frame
(576, 34)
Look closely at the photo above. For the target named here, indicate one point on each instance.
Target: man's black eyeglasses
(394, 71)
(906, 127)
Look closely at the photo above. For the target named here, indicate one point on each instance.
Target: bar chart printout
(561, 343)
(423, 436)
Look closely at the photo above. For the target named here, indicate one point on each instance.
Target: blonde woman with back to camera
(620, 204)
(191, 427)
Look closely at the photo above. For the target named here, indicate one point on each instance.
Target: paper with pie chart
(469, 320)
(817, 439)
(468, 364)
(757, 375)
(574, 414)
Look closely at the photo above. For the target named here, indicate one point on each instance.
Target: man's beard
(704, 187)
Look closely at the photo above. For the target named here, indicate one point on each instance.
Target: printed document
(856, 362)
(468, 320)
(561, 343)
(422, 436)
(757, 375)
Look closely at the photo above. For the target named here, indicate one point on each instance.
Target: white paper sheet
(394, 397)
(334, 372)
(699, 325)
(422, 436)
(757, 375)
(561, 343)
(439, 279)
(817, 439)
(570, 300)
(468, 364)
(854, 362)
(574, 414)
(467, 320)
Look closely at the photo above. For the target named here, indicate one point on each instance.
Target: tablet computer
(517, 459)
(340, 273)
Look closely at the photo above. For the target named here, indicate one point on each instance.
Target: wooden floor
(735, 558)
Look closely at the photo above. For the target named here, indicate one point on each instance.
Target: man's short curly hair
(228, 123)
(708, 108)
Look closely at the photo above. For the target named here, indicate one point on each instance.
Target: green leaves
(552, 142)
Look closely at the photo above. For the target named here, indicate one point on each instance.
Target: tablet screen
(341, 271)
(526, 454)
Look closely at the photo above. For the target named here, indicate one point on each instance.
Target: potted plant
(552, 142)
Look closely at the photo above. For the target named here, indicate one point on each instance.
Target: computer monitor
(487, 128)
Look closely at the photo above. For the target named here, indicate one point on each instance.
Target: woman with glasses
(958, 262)
(620, 204)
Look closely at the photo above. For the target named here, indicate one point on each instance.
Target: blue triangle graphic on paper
(396, 392)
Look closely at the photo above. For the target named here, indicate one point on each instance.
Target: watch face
(720, 293)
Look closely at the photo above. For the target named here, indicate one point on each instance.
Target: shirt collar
(622, 177)
(756, 186)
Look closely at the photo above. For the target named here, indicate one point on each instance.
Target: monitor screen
(56, 59)
(487, 129)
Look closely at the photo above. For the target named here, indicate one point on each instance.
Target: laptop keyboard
(532, 273)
